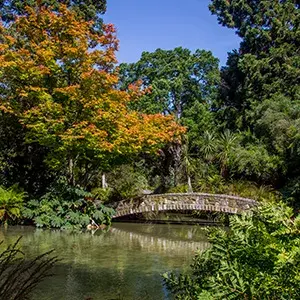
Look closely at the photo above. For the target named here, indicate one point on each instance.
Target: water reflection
(160, 244)
(123, 263)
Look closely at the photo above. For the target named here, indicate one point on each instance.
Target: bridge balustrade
(184, 202)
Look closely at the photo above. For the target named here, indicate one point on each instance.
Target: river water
(126, 262)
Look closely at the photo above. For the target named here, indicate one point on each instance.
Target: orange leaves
(109, 38)
(65, 91)
(158, 129)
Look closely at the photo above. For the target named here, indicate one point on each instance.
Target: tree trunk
(71, 178)
(165, 163)
(190, 188)
(104, 183)
(176, 152)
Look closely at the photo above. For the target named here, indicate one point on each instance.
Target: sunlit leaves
(11, 203)
(258, 258)
(64, 92)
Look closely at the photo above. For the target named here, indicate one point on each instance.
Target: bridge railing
(184, 201)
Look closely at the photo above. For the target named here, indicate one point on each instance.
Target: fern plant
(258, 258)
(11, 203)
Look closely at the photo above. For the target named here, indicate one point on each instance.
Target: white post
(104, 183)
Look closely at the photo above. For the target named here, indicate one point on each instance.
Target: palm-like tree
(226, 145)
(209, 146)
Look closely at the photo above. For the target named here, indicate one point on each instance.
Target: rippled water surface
(126, 262)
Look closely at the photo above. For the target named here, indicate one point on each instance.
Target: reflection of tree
(167, 231)
(123, 263)
(159, 244)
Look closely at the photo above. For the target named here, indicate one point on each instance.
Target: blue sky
(145, 25)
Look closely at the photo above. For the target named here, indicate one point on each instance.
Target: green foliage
(259, 89)
(217, 185)
(254, 162)
(278, 125)
(259, 258)
(11, 203)
(66, 208)
(291, 192)
(19, 276)
(227, 144)
(212, 184)
(182, 188)
(177, 79)
(102, 194)
(199, 120)
(219, 149)
(208, 145)
(231, 103)
(126, 182)
(238, 156)
(183, 84)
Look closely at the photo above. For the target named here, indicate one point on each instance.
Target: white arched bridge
(183, 202)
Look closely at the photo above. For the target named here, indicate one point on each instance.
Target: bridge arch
(184, 202)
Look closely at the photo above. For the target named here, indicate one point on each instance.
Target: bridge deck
(184, 202)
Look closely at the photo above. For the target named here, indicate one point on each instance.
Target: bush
(291, 192)
(182, 188)
(259, 258)
(11, 203)
(67, 208)
(214, 184)
(247, 189)
(103, 195)
(126, 182)
(255, 163)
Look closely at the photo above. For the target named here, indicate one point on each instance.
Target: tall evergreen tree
(260, 84)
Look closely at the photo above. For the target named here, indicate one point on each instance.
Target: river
(126, 262)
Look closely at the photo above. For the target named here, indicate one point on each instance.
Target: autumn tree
(21, 162)
(58, 79)
(90, 10)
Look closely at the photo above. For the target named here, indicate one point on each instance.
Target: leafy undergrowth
(259, 258)
(67, 208)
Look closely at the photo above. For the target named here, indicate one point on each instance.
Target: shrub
(182, 188)
(247, 189)
(259, 258)
(11, 203)
(255, 163)
(67, 208)
(126, 182)
(102, 194)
